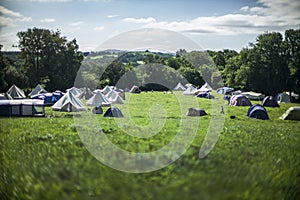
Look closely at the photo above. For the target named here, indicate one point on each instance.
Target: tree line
(269, 65)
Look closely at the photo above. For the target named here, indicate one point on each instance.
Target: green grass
(44, 158)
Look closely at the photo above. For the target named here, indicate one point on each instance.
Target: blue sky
(215, 25)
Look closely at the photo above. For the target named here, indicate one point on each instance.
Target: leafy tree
(292, 39)
(192, 75)
(49, 58)
(3, 64)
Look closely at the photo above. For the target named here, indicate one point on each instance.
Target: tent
(75, 91)
(179, 87)
(106, 90)
(205, 88)
(16, 93)
(204, 95)
(48, 98)
(270, 101)
(114, 97)
(5, 96)
(196, 112)
(86, 93)
(113, 112)
(135, 89)
(98, 99)
(97, 110)
(258, 112)
(121, 93)
(58, 94)
(190, 90)
(68, 103)
(293, 113)
(224, 90)
(283, 98)
(22, 107)
(37, 90)
(237, 92)
(239, 100)
(253, 95)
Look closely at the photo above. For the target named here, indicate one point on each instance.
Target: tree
(49, 58)
(3, 65)
(292, 40)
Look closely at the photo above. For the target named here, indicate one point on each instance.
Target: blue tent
(204, 95)
(258, 112)
(49, 98)
(224, 90)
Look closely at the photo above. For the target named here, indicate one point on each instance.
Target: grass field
(44, 158)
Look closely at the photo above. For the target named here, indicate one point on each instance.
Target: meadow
(44, 158)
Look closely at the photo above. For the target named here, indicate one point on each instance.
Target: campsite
(138, 100)
(44, 158)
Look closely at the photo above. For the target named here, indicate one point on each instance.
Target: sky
(212, 24)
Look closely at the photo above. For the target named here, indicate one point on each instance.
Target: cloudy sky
(215, 25)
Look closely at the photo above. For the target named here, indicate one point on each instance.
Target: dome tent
(113, 112)
(283, 98)
(270, 101)
(239, 100)
(258, 112)
(196, 112)
(68, 103)
(293, 113)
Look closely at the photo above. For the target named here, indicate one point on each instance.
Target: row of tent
(242, 100)
(259, 112)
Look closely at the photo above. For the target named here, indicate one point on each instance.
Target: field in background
(44, 158)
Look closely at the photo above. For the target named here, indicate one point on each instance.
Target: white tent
(68, 103)
(179, 87)
(75, 91)
(254, 95)
(97, 100)
(86, 93)
(283, 98)
(37, 90)
(106, 90)
(190, 90)
(114, 97)
(205, 88)
(16, 93)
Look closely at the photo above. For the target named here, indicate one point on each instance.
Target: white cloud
(47, 20)
(6, 21)
(112, 16)
(78, 23)
(5, 11)
(139, 20)
(25, 19)
(245, 8)
(7, 40)
(271, 15)
(9, 17)
(98, 28)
